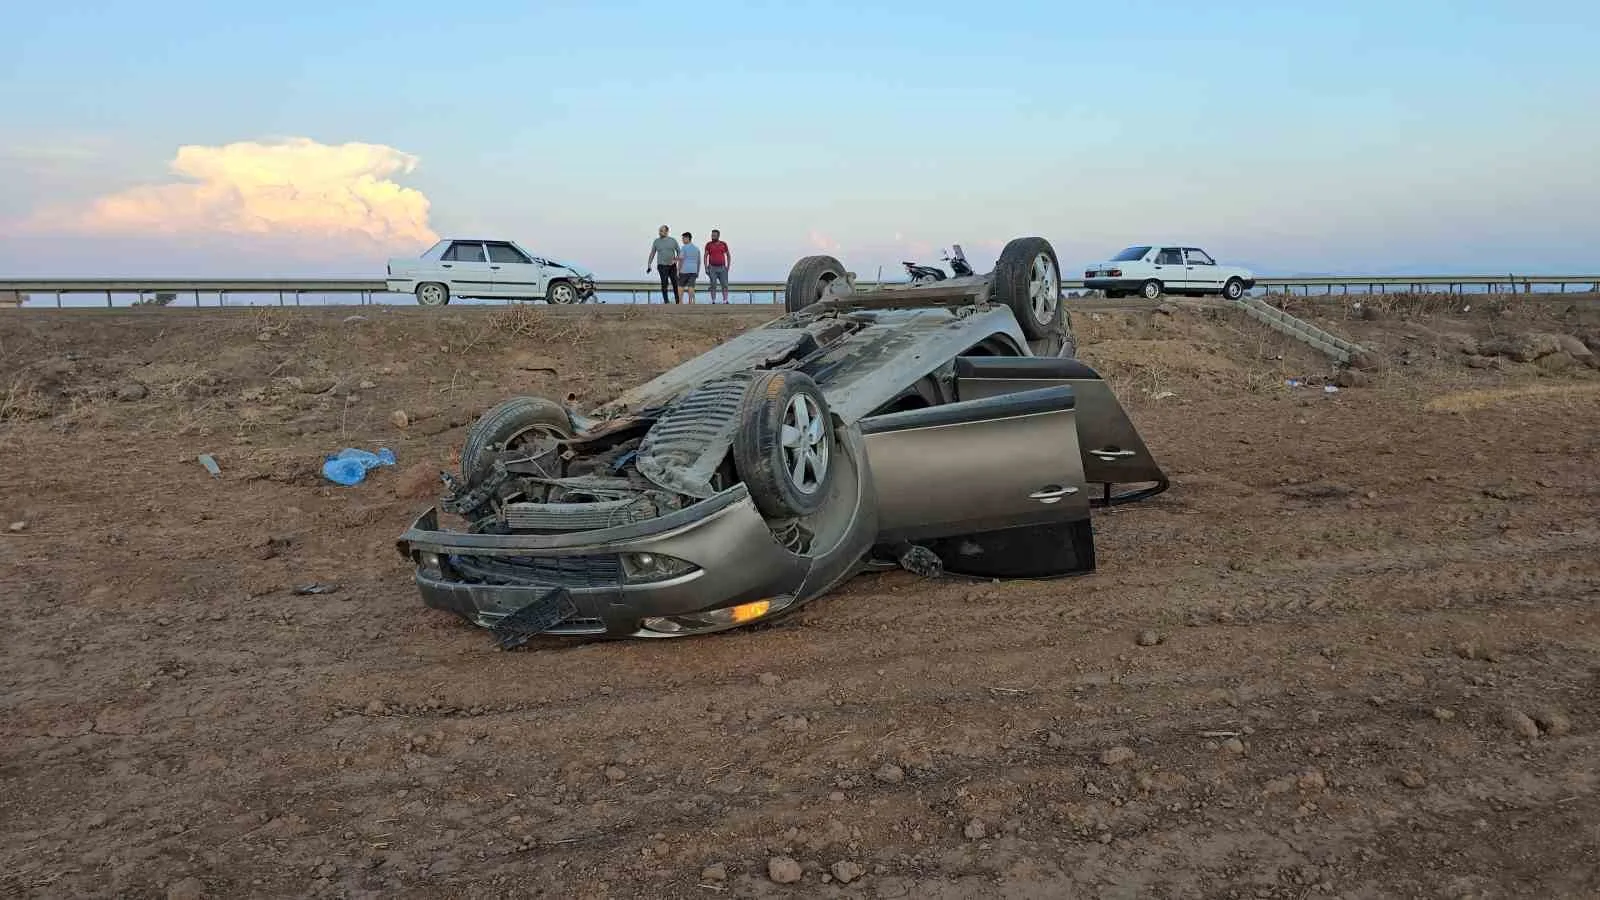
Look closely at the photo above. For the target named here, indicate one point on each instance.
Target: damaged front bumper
(713, 565)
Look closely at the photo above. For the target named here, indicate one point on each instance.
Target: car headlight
(718, 618)
(640, 568)
(429, 562)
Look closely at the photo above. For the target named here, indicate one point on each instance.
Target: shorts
(718, 274)
(686, 279)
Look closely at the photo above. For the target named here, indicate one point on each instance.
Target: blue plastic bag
(350, 466)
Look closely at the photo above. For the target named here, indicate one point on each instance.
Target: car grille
(563, 571)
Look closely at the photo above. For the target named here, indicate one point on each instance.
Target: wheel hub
(1044, 289)
(805, 445)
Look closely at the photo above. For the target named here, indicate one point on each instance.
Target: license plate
(549, 610)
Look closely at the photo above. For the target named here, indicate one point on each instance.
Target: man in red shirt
(718, 259)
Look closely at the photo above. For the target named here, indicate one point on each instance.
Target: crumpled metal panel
(741, 354)
(682, 451)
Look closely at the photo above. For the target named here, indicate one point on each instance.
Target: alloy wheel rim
(805, 444)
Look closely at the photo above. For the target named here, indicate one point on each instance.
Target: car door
(1113, 453)
(466, 266)
(515, 273)
(1203, 271)
(972, 467)
(1169, 268)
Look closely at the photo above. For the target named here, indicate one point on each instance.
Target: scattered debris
(17, 526)
(1443, 715)
(975, 830)
(308, 590)
(1413, 779)
(399, 419)
(1234, 746)
(768, 679)
(714, 873)
(889, 773)
(131, 391)
(349, 466)
(1149, 638)
(210, 463)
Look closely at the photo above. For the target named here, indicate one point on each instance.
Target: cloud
(324, 198)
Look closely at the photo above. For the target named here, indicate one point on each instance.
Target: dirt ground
(1353, 652)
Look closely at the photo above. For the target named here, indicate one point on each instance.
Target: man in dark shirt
(664, 254)
(718, 259)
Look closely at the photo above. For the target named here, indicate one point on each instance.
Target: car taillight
(1116, 273)
(1088, 273)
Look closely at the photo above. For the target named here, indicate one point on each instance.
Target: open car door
(1113, 453)
(994, 487)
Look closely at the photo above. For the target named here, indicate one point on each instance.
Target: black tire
(561, 293)
(432, 293)
(1151, 290)
(1017, 279)
(765, 464)
(1233, 289)
(506, 423)
(808, 278)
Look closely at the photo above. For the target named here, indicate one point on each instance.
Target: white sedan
(1151, 271)
(470, 267)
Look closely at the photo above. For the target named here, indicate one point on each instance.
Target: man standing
(688, 266)
(718, 259)
(664, 253)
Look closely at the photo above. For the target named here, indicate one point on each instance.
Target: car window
(465, 252)
(1169, 256)
(1131, 254)
(1199, 257)
(505, 253)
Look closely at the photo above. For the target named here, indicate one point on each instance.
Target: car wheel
(1234, 289)
(562, 293)
(1151, 290)
(533, 424)
(783, 449)
(1027, 278)
(808, 280)
(432, 293)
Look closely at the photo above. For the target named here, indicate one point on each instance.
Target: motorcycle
(921, 274)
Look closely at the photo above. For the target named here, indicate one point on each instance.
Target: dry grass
(23, 401)
(1483, 398)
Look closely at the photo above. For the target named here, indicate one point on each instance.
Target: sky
(296, 138)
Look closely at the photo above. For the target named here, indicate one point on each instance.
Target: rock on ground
(846, 871)
(784, 870)
(1116, 756)
(1521, 724)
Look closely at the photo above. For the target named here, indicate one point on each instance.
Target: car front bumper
(737, 561)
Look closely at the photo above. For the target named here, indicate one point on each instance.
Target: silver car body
(949, 433)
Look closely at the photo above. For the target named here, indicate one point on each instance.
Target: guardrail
(14, 290)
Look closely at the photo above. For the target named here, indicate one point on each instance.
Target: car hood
(579, 271)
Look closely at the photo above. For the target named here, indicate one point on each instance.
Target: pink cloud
(330, 197)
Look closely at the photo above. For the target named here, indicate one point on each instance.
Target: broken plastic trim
(539, 616)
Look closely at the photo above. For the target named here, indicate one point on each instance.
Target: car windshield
(1131, 254)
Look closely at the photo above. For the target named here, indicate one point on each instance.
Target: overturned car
(944, 428)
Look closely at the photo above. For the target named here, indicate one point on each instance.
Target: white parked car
(468, 267)
(1155, 270)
